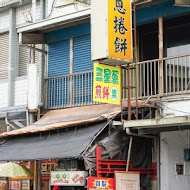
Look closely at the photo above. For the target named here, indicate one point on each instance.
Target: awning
(56, 119)
(50, 24)
(53, 145)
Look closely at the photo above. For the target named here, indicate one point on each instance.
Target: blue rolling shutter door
(58, 64)
(82, 54)
(82, 63)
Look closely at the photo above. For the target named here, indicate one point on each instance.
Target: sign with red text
(107, 84)
(68, 178)
(14, 185)
(100, 183)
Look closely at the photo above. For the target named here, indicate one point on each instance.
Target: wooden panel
(127, 181)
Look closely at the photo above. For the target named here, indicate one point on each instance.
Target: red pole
(98, 158)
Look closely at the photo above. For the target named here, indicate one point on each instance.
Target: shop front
(64, 144)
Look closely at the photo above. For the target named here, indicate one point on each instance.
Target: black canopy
(52, 145)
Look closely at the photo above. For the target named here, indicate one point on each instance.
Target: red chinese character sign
(107, 84)
(100, 183)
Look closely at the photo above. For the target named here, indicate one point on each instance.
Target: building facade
(46, 65)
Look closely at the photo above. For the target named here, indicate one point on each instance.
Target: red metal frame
(104, 166)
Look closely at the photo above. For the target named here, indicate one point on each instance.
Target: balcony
(70, 90)
(155, 78)
(163, 77)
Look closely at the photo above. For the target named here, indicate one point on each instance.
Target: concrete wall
(20, 90)
(172, 152)
(4, 21)
(64, 7)
(175, 108)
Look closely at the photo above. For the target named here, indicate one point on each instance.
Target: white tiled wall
(3, 93)
(21, 90)
(4, 20)
(23, 15)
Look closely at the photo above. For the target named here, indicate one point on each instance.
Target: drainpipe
(42, 61)
(33, 11)
(129, 153)
(32, 55)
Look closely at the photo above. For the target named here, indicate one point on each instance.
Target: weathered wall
(172, 152)
(176, 107)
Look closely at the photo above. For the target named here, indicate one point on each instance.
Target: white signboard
(32, 87)
(68, 178)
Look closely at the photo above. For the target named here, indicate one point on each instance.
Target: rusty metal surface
(63, 118)
(185, 3)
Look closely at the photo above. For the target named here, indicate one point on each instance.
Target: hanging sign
(112, 42)
(107, 84)
(119, 27)
(68, 178)
(100, 183)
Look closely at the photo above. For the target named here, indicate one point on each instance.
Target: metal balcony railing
(159, 77)
(70, 90)
(163, 77)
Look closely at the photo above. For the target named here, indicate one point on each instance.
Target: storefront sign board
(100, 183)
(68, 178)
(107, 84)
(111, 28)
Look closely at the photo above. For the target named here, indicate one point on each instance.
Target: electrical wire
(52, 7)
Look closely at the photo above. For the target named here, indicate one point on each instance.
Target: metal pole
(129, 91)
(71, 73)
(129, 153)
(158, 163)
(98, 157)
(136, 71)
(161, 54)
(121, 103)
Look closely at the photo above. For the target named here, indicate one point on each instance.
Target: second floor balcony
(155, 78)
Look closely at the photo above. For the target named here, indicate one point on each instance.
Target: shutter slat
(4, 55)
(24, 59)
(59, 58)
(82, 54)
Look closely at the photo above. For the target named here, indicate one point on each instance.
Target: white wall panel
(23, 14)
(21, 91)
(172, 153)
(38, 11)
(4, 20)
(3, 94)
(176, 108)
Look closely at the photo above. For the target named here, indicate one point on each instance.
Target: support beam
(13, 57)
(17, 123)
(33, 38)
(129, 153)
(34, 48)
(71, 72)
(155, 123)
(161, 54)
